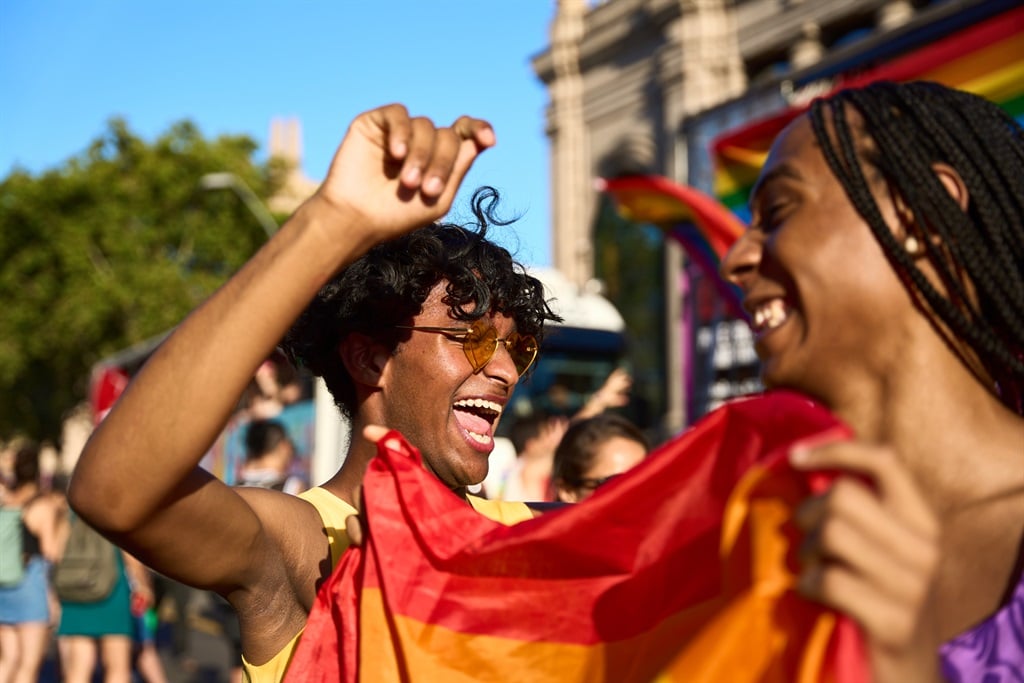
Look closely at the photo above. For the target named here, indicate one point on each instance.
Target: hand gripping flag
(680, 570)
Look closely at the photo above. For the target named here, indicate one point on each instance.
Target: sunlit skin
(612, 457)
(138, 478)
(927, 551)
(423, 381)
(848, 319)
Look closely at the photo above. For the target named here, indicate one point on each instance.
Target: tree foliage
(110, 249)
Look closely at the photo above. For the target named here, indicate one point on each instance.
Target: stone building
(285, 144)
(645, 87)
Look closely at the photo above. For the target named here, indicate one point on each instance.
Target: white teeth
(479, 438)
(479, 403)
(770, 315)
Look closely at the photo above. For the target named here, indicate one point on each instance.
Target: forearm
(177, 405)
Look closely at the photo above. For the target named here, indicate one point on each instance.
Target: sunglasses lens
(523, 349)
(479, 344)
(481, 341)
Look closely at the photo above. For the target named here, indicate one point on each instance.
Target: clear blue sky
(66, 66)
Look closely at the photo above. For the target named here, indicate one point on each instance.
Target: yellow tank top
(334, 511)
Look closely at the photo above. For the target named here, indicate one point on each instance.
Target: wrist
(340, 230)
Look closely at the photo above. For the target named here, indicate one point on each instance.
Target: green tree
(110, 249)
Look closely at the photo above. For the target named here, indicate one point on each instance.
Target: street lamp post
(230, 181)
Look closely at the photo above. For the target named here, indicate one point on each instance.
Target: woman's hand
(871, 550)
(614, 393)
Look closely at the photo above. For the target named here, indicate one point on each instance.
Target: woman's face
(827, 310)
(612, 457)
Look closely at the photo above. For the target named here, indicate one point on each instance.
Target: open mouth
(477, 416)
(769, 315)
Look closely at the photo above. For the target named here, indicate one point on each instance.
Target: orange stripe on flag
(680, 570)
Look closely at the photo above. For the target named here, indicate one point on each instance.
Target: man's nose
(501, 364)
(741, 261)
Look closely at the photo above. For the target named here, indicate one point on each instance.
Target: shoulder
(503, 511)
(295, 542)
(275, 508)
(45, 506)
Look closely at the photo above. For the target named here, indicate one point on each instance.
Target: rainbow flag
(704, 228)
(986, 59)
(680, 570)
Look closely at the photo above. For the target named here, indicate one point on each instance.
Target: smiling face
(431, 394)
(828, 311)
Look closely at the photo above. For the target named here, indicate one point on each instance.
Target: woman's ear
(954, 184)
(364, 358)
(913, 234)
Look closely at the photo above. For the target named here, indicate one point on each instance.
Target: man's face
(434, 398)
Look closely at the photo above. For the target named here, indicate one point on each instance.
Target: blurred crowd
(139, 629)
(143, 620)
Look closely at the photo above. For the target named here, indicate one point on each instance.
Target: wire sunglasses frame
(480, 342)
(594, 483)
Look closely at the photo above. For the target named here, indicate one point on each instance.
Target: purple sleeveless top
(992, 651)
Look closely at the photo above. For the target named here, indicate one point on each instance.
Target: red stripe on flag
(641, 578)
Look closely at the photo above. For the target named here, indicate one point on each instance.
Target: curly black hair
(387, 286)
(904, 129)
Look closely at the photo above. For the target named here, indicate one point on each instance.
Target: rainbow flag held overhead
(680, 570)
(703, 226)
(986, 59)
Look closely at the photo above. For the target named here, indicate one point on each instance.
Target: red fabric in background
(664, 571)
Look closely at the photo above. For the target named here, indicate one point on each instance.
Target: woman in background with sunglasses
(594, 451)
(420, 326)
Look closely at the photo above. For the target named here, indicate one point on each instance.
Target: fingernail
(799, 455)
(398, 150)
(412, 176)
(433, 185)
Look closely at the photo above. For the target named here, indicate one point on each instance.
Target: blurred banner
(705, 228)
(986, 59)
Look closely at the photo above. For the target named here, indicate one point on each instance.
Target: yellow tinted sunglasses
(480, 341)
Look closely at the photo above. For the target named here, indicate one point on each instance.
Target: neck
(347, 482)
(942, 423)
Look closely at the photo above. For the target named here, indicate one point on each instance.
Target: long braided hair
(905, 129)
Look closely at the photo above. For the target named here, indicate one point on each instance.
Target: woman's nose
(741, 261)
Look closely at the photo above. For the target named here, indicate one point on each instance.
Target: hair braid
(907, 128)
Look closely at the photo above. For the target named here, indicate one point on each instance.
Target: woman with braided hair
(884, 273)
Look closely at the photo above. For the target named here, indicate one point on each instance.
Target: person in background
(614, 392)
(144, 617)
(268, 458)
(27, 608)
(592, 452)
(883, 270)
(98, 634)
(421, 326)
(534, 438)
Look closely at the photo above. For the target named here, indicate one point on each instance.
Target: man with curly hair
(421, 327)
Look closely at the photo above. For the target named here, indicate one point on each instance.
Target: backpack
(88, 570)
(12, 550)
